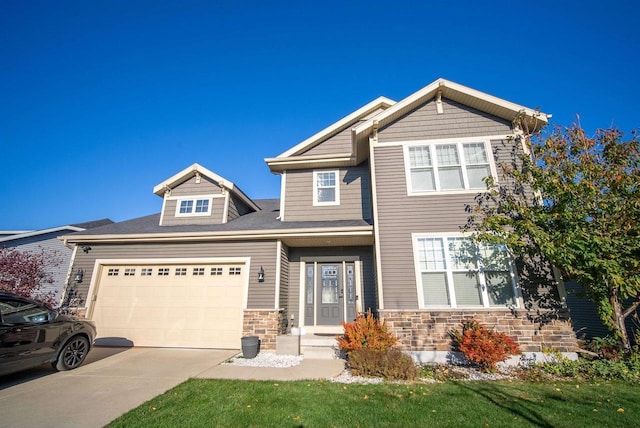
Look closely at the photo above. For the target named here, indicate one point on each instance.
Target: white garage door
(177, 305)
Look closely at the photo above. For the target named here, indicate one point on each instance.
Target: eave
(456, 92)
(326, 236)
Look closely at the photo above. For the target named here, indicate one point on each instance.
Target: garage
(192, 305)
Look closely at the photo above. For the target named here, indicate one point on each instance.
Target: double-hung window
(326, 188)
(193, 207)
(456, 272)
(447, 167)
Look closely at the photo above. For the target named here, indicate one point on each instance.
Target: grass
(231, 403)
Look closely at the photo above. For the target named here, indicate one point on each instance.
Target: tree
(25, 273)
(574, 200)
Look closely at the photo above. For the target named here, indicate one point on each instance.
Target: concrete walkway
(97, 393)
(307, 369)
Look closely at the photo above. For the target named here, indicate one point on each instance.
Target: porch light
(261, 275)
(79, 275)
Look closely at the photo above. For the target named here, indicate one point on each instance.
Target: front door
(330, 300)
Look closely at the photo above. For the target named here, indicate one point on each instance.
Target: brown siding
(355, 196)
(339, 143)
(457, 121)
(237, 208)
(399, 216)
(191, 188)
(284, 279)
(170, 219)
(262, 253)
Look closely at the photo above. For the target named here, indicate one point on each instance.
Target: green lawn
(223, 403)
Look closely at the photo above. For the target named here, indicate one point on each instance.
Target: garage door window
(235, 271)
(163, 272)
(198, 271)
(113, 272)
(129, 272)
(216, 271)
(181, 271)
(146, 272)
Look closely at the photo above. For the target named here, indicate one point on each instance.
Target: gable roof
(295, 155)
(456, 92)
(196, 168)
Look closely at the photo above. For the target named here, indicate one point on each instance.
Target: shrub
(442, 372)
(605, 347)
(391, 364)
(626, 369)
(483, 346)
(365, 332)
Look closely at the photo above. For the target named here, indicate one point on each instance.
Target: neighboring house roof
(295, 155)
(262, 224)
(71, 228)
(196, 168)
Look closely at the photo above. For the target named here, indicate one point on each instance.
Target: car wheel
(73, 354)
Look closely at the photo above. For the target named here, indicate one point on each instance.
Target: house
(369, 218)
(47, 240)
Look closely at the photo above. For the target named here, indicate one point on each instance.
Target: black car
(32, 335)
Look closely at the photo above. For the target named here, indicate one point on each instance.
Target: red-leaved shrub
(483, 346)
(365, 331)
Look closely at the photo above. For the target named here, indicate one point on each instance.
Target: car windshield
(17, 311)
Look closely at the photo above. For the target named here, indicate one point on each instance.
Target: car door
(27, 335)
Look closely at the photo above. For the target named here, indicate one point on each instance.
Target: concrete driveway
(98, 392)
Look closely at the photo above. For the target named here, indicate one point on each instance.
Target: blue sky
(102, 100)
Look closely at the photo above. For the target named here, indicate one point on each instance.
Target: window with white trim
(198, 271)
(163, 271)
(193, 207)
(326, 188)
(181, 271)
(455, 272)
(235, 271)
(129, 272)
(216, 271)
(146, 271)
(446, 167)
(113, 272)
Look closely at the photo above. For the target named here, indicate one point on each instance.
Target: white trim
(277, 277)
(449, 272)
(302, 293)
(203, 196)
(195, 200)
(376, 229)
(362, 111)
(359, 290)
(459, 142)
(164, 204)
(283, 191)
(101, 264)
(225, 209)
(317, 203)
(355, 231)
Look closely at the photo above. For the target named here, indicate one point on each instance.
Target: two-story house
(369, 217)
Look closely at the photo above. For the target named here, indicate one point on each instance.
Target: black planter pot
(250, 346)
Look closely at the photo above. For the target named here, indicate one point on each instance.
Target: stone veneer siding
(429, 330)
(267, 324)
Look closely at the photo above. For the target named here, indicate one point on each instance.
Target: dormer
(196, 195)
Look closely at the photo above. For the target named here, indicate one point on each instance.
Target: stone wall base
(419, 331)
(453, 357)
(267, 324)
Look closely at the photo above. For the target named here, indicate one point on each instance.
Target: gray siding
(262, 253)
(339, 143)
(58, 256)
(457, 121)
(190, 187)
(365, 254)
(400, 215)
(355, 196)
